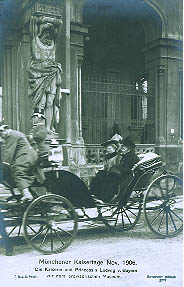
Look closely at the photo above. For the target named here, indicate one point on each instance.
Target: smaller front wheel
(163, 206)
(50, 224)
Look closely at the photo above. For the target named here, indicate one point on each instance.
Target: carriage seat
(148, 161)
(144, 169)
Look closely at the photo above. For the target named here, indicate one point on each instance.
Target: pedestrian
(21, 159)
(38, 133)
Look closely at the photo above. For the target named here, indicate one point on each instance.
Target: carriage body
(50, 222)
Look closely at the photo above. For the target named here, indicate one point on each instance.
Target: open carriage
(50, 222)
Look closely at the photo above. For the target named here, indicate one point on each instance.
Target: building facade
(122, 66)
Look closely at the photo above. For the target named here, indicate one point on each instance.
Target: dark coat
(127, 162)
(106, 183)
(21, 157)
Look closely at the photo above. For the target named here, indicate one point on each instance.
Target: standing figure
(38, 134)
(44, 73)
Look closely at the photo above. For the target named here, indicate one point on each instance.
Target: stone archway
(118, 35)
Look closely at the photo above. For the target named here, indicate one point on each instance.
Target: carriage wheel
(121, 218)
(11, 221)
(163, 210)
(50, 224)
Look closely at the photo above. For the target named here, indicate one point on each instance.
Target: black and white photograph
(91, 143)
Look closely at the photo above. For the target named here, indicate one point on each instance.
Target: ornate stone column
(7, 82)
(78, 31)
(161, 106)
(165, 78)
(10, 102)
(79, 97)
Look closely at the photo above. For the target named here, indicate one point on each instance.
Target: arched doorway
(116, 85)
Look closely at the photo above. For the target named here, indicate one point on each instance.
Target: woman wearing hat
(112, 181)
(106, 182)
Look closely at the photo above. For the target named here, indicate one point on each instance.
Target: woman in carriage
(120, 157)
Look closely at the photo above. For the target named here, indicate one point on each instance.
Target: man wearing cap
(21, 158)
(38, 133)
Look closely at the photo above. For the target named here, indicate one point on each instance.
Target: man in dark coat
(128, 160)
(20, 157)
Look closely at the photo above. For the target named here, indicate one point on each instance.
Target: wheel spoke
(43, 241)
(122, 219)
(67, 232)
(107, 209)
(159, 227)
(116, 221)
(177, 215)
(32, 228)
(51, 241)
(127, 216)
(156, 217)
(166, 222)
(131, 212)
(56, 232)
(171, 217)
(19, 230)
(12, 230)
(37, 234)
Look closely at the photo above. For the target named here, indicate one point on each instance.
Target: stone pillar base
(73, 155)
(79, 154)
(172, 155)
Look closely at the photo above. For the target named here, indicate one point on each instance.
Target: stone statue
(44, 73)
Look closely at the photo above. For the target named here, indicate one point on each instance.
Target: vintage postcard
(91, 140)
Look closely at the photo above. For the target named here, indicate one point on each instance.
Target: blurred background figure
(38, 133)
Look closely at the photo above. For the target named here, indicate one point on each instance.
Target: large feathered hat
(116, 140)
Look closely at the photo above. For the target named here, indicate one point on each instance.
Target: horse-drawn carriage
(49, 223)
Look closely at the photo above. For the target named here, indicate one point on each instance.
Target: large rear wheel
(163, 206)
(50, 224)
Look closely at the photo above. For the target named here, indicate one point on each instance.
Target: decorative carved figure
(44, 73)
